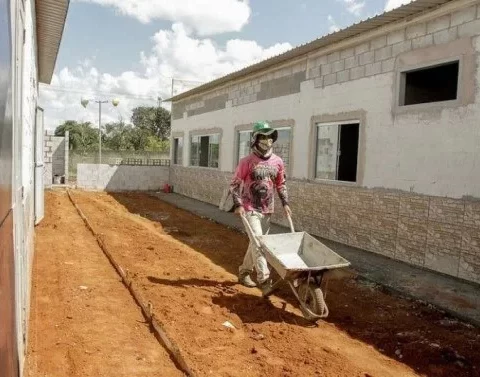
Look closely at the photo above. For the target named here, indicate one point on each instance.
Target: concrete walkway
(454, 296)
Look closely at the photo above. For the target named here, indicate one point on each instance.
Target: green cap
(263, 128)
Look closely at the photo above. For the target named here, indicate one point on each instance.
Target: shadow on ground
(250, 308)
(425, 339)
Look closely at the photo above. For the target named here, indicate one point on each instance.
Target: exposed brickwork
(463, 16)
(55, 157)
(469, 29)
(416, 31)
(371, 58)
(272, 84)
(441, 234)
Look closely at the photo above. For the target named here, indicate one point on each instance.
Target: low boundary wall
(121, 177)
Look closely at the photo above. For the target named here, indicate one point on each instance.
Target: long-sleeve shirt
(260, 178)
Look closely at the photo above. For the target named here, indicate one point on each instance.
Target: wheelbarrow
(302, 261)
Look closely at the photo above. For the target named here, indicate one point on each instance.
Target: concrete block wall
(367, 59)
(269, 85)
(48, 158)
(56, 154)
(378, 55)
(121, 177)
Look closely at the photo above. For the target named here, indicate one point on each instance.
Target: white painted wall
(278, 108)
(432, 152)
(29, 103)
(30, 96)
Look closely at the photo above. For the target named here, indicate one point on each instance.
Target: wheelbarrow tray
(293, 253)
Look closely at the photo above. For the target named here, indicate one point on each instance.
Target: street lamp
(84, 103)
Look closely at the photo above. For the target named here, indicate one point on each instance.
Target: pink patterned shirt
(260, 178)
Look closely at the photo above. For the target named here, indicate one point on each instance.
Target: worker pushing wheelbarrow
(298, 258)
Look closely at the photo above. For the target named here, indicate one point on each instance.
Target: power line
(105, 93)
(94, 91)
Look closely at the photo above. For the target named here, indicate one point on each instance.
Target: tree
(118, 136)
(155, 120)
(83, 137)
(138, 138)
(149, 132)
(155, 144)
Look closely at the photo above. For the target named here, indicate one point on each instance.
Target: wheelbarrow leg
(272, 289)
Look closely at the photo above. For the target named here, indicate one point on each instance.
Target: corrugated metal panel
(408, 10)
(50, 19)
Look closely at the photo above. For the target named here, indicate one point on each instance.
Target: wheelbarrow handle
(290, 223)
(252, 235)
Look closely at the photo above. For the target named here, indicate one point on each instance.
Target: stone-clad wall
(437, 233)
(206, 185)
(371, 58)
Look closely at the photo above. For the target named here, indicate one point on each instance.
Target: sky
(131, 49)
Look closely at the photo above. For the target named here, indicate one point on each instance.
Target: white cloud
(175, 53)
(392, 4)
(206, 17)
(333, 27)
(354, 7)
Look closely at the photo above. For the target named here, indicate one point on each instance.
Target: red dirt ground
(186, 267)
(92, 332)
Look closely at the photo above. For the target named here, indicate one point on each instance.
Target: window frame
(401, 83)
(277, 125)
(174, 152)
(200, 135)
(237, 146)
(320, 123)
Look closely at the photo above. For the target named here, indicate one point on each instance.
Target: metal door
(39, 167)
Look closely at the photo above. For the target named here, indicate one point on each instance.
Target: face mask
(265, 144)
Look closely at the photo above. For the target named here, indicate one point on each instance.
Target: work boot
(245, 279)
(266, 287)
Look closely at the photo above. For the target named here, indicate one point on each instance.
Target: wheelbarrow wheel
(314, 301)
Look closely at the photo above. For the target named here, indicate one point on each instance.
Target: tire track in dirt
(83, 322)
(193, 297)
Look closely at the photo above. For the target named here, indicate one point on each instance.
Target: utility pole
(84, 103)
(100, 130)
(159, 101)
